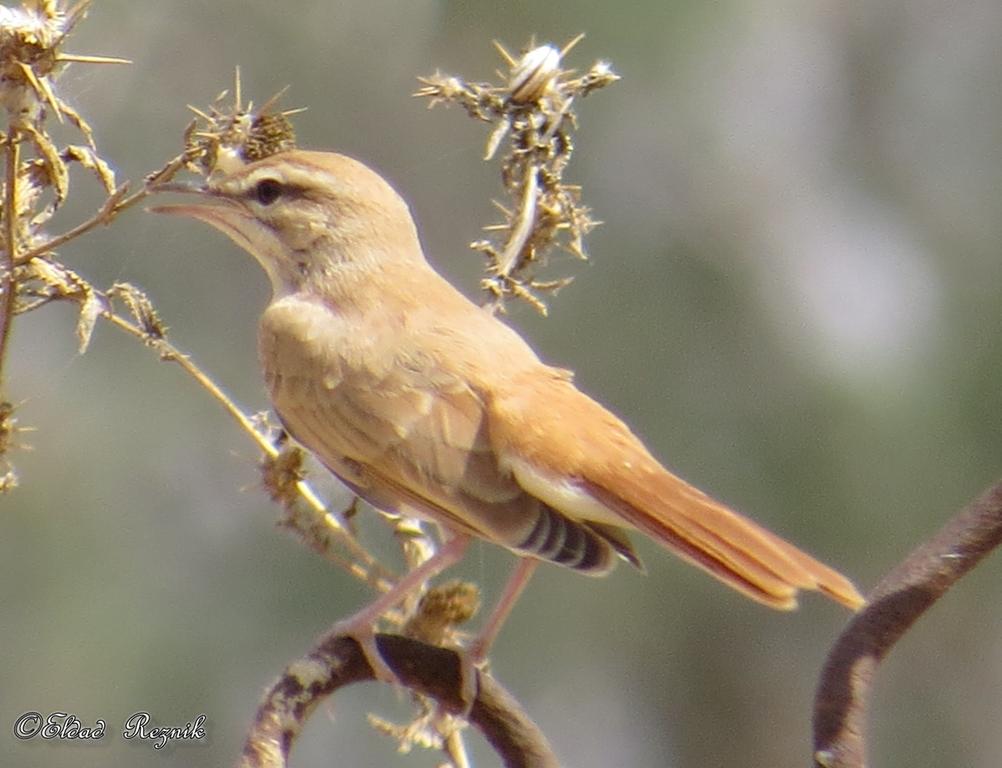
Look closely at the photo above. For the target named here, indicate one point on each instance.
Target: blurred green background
(794, 299)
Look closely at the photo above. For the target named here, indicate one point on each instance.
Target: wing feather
(409, 434)
(578, 456)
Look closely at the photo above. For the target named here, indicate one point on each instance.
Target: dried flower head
(534, 73)
(441, 609)
(31, 58)
(534, 111)
(280, 474)
(237, 134)
(10, 431)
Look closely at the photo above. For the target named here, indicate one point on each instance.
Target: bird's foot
(365, 635)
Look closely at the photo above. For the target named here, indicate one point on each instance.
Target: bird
(427, 404)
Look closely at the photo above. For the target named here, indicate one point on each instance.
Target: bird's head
(305, 216)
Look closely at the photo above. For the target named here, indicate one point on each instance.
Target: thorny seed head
(9, 431)
(31, 58)
(37, 182)
(27, 56)
(534, 73)
(534, 113)
(235, 134)
(280, 475)
(441, 609)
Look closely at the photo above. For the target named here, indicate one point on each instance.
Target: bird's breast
(306, 352)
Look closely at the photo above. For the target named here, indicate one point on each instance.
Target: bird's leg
(517, 582)
(476, 655)
(362, 625)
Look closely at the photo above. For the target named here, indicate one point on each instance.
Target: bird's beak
(184, 209)
(215, 209)
(180, 186)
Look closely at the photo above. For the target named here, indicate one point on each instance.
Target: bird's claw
(365, 636)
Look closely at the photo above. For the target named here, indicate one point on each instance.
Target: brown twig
(8, 281)
(361, 563)
(115, 203)
(337, 661)
(840, 707)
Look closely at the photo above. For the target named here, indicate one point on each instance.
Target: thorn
(569, 46)
(270, 102)
(509, 59)
(83, 58)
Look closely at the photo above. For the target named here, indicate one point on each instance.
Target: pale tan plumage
(423, 402)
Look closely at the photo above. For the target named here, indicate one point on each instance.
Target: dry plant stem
(840, 707)
(337, 661)
(7, 285)
(455, 749)
(514, 252)
(362, 565)
(114, 205)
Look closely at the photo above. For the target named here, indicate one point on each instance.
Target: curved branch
(893, 606)
(439, 673)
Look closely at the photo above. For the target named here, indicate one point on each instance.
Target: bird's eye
(267, 191)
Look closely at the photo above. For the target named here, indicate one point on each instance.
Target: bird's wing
(408, 432)
(573, 454)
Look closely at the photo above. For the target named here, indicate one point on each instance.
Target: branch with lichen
(533, 113)
(437, 674)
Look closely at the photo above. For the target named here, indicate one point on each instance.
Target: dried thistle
(430, 729)
(280, 474)
(31, 59)
(36, 184)
(142, 310)
(10, 430)
(534, 111)
(35, 181)
(441, 610)
(236, 134)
